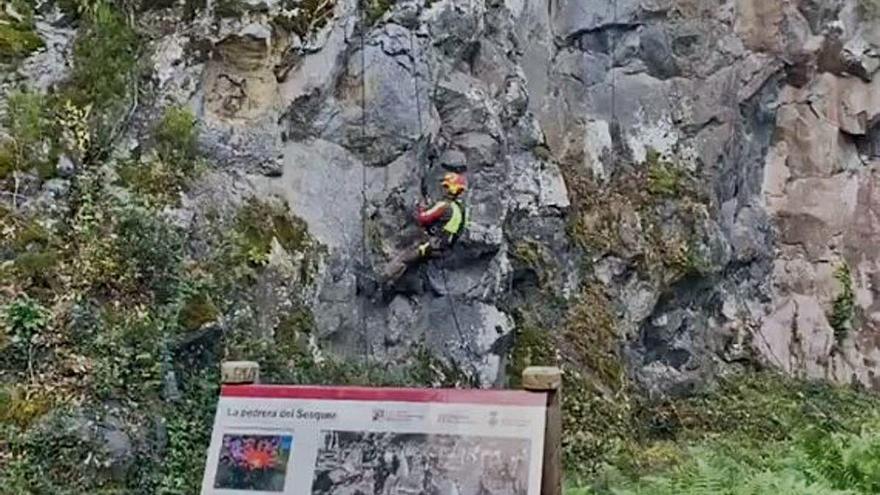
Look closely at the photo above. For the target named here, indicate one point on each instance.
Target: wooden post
(239, 372)
(549, 380)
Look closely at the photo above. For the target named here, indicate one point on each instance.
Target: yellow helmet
(454, 184)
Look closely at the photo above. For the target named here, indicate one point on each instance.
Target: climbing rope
(461, 335)
(364, 204)
(613, 73)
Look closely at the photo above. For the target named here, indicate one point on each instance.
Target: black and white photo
(366, 463)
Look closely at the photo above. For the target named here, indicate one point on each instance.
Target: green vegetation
(175, 136)
(311, 16)
(105, 311)
(28, 124)
(597, 413)
(532, 346)
(664, 178)
(375, 9)
(18, 38)
(259, 224)
(102, 81)
(162, 177)
(843, 309)
(24, 320)
(753, 434)
(533, 255)
(652, 216)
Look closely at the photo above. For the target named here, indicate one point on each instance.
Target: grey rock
(258, 32)
(65, 167)
(575, 16)
(102, 438)
(322, 183)
(656, 51)
(860, 58)
(48, 67)
(755, 100)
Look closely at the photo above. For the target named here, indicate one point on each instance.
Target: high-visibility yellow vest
(457, 221)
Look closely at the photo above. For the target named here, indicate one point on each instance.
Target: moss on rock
(533, 345)
(375, 9)
(259, 223)
(198, 310)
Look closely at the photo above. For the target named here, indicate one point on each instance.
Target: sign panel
(375, 441)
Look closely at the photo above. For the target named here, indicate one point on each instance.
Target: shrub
(104, 61)
(753, 434)
(20, 406)
(24, 320)
(259, 223)
(175, 135)
(162, 178)
(126, 353)
(28, 126)
(150, 252)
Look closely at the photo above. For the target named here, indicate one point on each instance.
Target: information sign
(375, 441)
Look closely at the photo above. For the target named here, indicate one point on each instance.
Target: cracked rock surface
(708, 166)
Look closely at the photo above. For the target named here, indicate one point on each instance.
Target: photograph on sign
(253, 462)
(369, 463)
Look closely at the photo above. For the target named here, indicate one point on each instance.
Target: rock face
(729, 149)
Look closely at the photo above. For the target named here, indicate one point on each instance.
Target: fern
(819, 462)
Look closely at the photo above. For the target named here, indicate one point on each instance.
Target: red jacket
(439, 212)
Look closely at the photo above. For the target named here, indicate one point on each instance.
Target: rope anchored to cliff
(443, 222)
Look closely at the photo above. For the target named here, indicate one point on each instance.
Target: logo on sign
(395, 416)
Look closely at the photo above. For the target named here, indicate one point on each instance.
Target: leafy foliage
(375, 9)
(162, 176)
(24, 320)
(28, 126)
(104, 63)
(653, 216)
(755, 434)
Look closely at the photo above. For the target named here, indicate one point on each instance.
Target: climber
(442, 225)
